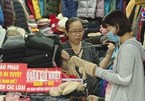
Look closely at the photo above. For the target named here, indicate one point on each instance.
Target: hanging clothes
(112, 5)
(119, 4)
(69, 8)
(100, 8)
(8, 13)
(1, 16)
(130, 7)
(51, 7)
(106, 6)
(86, 9)
(36, 9)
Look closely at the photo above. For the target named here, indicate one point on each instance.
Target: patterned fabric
(89, 54)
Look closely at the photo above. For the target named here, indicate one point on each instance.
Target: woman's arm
(104, 63)
(123, 68)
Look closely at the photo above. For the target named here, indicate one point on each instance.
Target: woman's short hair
(71, 20)
(118, 19)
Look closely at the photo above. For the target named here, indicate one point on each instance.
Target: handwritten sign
(41, 80)
(13, 77)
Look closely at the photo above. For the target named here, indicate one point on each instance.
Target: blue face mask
(112, 37)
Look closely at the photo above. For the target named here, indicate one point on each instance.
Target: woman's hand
(111, 47)
(65, 55)
(110, 50)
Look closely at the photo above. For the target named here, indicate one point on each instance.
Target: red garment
(30, 6)
(53, 22)
(139, 31)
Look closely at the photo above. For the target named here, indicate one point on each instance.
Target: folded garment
(90, 30)
(34, 51)
(38, 59)
(46, 97)
(12, 56)
(13, 42)
(15, 60)
(50, 99)
(13, 51)
(42, 65)
(40, 42)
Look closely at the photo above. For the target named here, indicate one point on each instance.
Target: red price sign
(13, 77)
(41, 80)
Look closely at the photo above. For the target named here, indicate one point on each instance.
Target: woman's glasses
(75, 32)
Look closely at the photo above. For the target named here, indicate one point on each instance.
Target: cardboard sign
(13, 77)
(42, 79)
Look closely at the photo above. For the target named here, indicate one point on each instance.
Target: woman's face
(103, 30)
(111, 29)
(75, 32)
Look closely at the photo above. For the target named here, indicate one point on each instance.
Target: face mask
(112, 37)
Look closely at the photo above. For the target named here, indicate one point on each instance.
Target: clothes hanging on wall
(136, 15)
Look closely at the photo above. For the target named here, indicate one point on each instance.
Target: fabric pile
(66, 88)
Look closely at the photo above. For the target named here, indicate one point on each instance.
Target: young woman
(126, 80)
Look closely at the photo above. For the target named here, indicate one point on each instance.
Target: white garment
(108, 92)
(86, 8)
(2, 35)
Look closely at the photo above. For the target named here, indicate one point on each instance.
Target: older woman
(76, 46)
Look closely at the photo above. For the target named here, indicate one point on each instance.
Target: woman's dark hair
(118, 19)
(71, 20)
